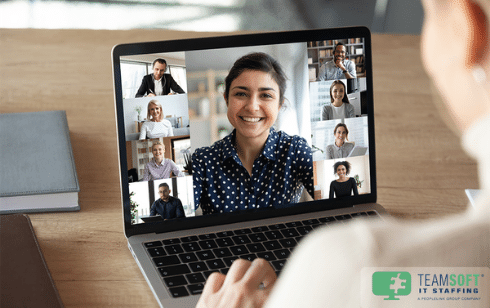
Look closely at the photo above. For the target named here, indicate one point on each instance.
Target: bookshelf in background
(207, 107)
(320, 52)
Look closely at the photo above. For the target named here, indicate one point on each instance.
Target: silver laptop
(358, 151)
(176, 141)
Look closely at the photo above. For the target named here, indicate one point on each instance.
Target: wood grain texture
(422, 171)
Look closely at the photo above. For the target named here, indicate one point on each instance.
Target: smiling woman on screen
(340, 106)
(255, 166)
(155, 126)
(343, 186)
(340, 148)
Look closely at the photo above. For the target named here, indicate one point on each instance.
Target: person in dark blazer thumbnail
(158, 83)
(167, 206)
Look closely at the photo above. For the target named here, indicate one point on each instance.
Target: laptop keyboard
(185, 263)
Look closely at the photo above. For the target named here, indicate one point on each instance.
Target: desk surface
(422, 171)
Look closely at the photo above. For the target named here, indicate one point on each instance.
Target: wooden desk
(421, 170)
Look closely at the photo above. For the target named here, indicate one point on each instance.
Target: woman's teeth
(247, 119)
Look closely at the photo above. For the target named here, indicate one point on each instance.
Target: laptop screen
(222, 127)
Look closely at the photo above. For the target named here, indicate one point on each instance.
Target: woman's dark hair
(345, 99)
(345, 163)
(258, 61)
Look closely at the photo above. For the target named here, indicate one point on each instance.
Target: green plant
(138, 109)
(358, 182)
(134, 207)
(315, 148)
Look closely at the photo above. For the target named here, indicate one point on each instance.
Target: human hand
(171, 93)
(151, 94)
(340, 64)
(247, 284)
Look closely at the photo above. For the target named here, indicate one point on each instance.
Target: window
(132, 73)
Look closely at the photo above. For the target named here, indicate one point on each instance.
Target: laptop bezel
(227, 42)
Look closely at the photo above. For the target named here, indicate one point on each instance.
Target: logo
(425, 287)
(392, 284)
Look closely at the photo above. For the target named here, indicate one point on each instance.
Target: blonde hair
(157, 143)
(156, 103)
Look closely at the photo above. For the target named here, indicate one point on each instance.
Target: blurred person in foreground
(325, 269)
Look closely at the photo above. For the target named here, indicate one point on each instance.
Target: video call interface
(182, 149)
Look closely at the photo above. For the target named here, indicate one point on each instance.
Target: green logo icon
(392, 284)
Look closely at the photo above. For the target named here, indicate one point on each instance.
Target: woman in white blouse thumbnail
(155, 126)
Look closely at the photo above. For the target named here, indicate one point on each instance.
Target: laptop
(154, 218)
(197, 235)
(357, 151)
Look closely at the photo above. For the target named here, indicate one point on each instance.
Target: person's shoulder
(149, 125)
(209, 150)
(350, 109)
(293, 140)
(199, 153)
(169, 161)
(175, 199)
(217, 151)
(215, 146)
(282, 136)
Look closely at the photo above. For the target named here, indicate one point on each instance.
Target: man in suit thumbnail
(158, 83)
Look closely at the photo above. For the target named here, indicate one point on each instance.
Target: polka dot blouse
(222, 184)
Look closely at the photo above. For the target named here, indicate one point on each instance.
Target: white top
(158, 86)
(325, 269)
(338, 112)
(156, 129)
